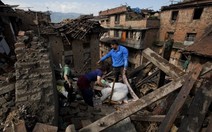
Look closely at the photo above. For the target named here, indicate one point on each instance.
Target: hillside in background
(58, 16)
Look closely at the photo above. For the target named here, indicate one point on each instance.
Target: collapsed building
(32, 20)
(28, 88)
(78, 41)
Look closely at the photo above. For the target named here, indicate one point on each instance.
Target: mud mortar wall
(35, 81)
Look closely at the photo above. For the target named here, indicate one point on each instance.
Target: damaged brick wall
(35, 81)
(184, 23)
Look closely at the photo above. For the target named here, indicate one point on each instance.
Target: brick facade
(186, 23)
(134, 31)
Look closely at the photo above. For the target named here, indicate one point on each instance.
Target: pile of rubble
(166, 107)
(7, 101)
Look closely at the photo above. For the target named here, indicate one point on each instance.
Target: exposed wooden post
(133, 107)
(114, 80)
(199, 107)
(179, 101)
(170, 69)
(135, 97)
(167, 49)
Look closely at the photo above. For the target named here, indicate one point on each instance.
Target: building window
(102, 21)
(170, 35)
(174, 15)
(108, 21)
(117, 19)
(116, 33)
(129, 34)
(86, 45)
(197, 13)
(190, 36)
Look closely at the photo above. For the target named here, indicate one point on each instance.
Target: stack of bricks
(35, 81)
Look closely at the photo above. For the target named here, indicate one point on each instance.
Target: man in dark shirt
(119, 56)
(84, 83)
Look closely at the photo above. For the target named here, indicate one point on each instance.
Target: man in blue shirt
(119, 55)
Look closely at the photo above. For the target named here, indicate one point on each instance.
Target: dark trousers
(117, 72)
(86, 90)
(71, 96)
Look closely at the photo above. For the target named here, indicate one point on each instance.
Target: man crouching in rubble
(84, 83)
(119, 55)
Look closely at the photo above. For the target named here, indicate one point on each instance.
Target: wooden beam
(136, 71)
(198, 108)
(150, 118)
(170, 69)
(125, 80)
(180, 100)
(167, 49)
(133, 107)
(147, 78)
(206, 68)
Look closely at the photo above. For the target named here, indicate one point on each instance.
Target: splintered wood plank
(133, 107)
(150, 118)
(199, 107)
(167, 49)
(164, 65)
(135, 71)
(39, 127)
(135, 97)
(180, 100)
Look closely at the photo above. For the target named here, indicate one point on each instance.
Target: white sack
(119, 94)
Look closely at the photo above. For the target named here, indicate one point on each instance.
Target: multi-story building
(185, 22)
(135, 29)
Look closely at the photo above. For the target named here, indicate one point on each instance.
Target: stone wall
(35, 81)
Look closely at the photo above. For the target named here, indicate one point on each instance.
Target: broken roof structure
(76, 28)
(203, 47)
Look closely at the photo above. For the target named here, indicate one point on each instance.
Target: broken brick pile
(34, 77)
(7, 101)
